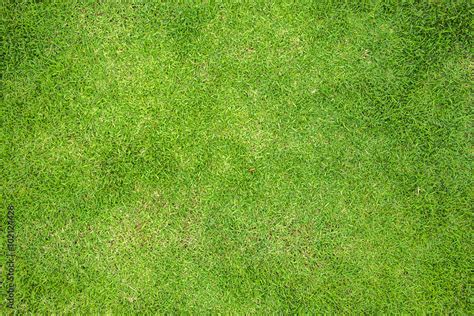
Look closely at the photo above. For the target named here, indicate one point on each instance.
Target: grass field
(308, 157)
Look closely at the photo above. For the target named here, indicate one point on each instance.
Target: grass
(308, 157)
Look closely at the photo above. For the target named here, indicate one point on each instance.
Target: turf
(256, 157)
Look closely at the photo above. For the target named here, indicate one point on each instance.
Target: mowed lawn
(246, 158)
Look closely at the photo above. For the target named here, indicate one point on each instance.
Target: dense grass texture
(238, 157)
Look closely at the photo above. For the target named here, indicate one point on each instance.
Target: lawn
(238, 158)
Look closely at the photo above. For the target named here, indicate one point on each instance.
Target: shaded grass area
(256, 158)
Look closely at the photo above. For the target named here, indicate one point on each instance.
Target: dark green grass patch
(308, 157)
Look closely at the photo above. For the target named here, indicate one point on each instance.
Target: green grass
(309, 157)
